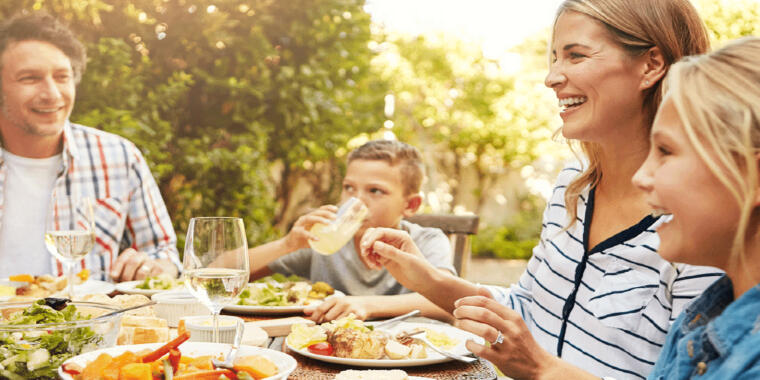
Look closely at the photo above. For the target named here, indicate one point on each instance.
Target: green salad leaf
(37, 354)
(280, 278)
(161, 282)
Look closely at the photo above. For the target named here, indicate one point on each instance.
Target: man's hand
(336, 307)
(298, 237)
(134, 265)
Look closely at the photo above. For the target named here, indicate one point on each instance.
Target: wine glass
(216, 262)
(70, 233)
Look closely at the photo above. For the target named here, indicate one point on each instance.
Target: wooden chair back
(458, 228)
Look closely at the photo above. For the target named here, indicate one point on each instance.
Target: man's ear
(654, 67)
(413, 203)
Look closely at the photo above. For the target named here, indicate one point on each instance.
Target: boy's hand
(395, 250)
(336, 307)
(298, 237)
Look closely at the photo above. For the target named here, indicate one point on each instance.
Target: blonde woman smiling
(596, 299)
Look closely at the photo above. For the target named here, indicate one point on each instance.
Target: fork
(423, 338)
(230, 357)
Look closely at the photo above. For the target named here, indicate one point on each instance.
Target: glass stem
(216, 327)
(69, 268)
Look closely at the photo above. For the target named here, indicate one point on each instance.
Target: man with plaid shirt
(46, 161)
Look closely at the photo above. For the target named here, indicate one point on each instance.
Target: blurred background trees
(249, 107)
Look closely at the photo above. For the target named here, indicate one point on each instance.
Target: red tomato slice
(72, 368)
(321, 348)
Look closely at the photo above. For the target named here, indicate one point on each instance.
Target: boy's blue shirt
(714, 338)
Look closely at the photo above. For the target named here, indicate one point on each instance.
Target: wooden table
(311, 369)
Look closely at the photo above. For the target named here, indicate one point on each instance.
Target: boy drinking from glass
(386, 176)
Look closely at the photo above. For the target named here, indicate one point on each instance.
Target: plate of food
(150, 285)
(29, 286)
(278, 294)
(193, 360)
(352, 342)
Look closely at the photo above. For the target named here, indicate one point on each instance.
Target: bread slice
(141, 329)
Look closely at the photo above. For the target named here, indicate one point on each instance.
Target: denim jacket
(714, 338)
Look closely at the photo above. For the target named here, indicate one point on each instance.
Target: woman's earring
(646, 83)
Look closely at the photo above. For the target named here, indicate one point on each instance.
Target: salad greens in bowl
(37, 336)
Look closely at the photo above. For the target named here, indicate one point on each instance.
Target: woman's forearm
(444, 289)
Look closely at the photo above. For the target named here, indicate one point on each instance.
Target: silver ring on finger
(145, 269)
(499, 339)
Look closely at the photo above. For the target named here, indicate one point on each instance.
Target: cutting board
(279, 326)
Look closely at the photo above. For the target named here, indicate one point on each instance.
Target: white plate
(94, 287)
(87, 287)
(248, 309)
(432, 357)
(284, 362)
(130, 287)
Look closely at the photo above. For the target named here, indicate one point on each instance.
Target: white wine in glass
(216, 287)
(215, 262)
(70, 234)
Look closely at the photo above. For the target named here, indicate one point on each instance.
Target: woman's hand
(298, 237)
(518, 355)
(395, 251)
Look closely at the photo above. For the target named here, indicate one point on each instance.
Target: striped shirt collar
(70, 151)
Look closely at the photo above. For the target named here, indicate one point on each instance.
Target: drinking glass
(216, 263)
(334, 236)
(70, 233)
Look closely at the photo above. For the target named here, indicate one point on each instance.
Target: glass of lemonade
(335, 235)
(70, 233)
(215, 263)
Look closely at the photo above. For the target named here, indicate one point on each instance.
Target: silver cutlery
(230, 357)
(393, 321)
(421, 336)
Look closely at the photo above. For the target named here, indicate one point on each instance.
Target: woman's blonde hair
(637, 26)
(717, 97)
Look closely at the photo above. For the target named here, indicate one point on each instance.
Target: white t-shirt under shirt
(28, 187)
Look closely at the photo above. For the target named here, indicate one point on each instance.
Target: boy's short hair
(395, 153)
(40, 26)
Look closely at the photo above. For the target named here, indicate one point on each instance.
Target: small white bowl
(201, 328)
(173, 305)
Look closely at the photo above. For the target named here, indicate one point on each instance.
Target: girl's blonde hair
(717, 97)
(637, 26)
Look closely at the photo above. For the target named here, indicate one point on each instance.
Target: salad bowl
(36, 338)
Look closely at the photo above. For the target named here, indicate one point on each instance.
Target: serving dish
(33, 350)
(284, 362)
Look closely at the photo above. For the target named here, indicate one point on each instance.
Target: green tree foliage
(216, 91)
(730, 19)
(454, 101)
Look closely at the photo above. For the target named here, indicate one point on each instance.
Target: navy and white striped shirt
(607, 311)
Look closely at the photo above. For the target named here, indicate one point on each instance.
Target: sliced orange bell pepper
(163, 350)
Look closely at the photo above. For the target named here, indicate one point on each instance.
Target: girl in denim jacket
(702, 170)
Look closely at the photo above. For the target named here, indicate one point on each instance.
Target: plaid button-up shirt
(127, 205)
